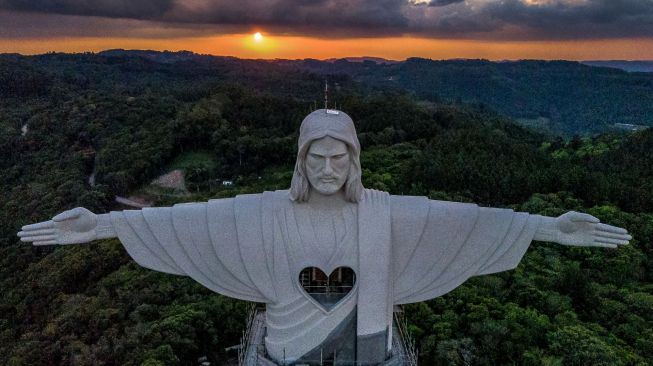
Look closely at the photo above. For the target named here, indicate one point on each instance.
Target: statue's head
(328, 157)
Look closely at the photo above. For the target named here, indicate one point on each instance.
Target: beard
(328, 185)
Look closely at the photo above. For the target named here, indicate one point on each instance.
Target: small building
(630, 127)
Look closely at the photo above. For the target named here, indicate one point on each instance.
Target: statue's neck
(333, 201)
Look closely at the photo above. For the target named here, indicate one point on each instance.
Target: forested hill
(559, 97)
(124, 120)
(631, 66)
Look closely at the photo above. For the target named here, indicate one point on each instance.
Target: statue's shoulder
(411, 207)
(374, 194)
(254, 199)
(400, 200)
(244, 206)
(277, 198)
(400, 205)
(408, 208)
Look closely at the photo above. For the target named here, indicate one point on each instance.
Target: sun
(257, 42)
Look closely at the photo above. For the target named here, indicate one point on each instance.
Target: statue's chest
(321, 254)
(325, 239)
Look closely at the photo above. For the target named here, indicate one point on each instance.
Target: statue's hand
(69, 227)
(579, 229)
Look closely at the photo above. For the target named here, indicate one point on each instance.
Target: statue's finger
(611, 241)
(605, 245)
(39, 238)
(611, 229)
(39, 225)
(35, 232)
(583, 217)
(67, 215)
(28, 238)
(45, 242)
(609, 234)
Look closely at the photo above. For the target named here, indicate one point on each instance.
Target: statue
(402, 249)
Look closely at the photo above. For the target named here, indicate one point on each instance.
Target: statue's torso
(253, 247)
(320, 238)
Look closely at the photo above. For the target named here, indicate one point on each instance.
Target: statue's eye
(340, 156)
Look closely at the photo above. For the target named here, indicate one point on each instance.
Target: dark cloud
(537, 19)
(577, 19)
(134, 9)
(22, 25)
(444, 2)
(364, 15)
(488, 19)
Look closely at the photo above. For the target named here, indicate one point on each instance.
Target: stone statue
(402, 249)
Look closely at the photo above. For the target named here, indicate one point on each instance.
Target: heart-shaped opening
(327, 290)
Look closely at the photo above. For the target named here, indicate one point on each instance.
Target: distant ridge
(376, 60)
(176, 56)
(170, 57)
(630, 66)
(157, 56)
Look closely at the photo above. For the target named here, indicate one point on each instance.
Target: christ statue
(401, 249)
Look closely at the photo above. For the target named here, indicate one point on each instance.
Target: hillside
(558, 97)
(129, 119)
(630, 66)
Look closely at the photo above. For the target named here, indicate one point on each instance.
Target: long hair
(300, 187)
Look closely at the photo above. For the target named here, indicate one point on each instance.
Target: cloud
(472, 19)
(133, 9)
(22, 25)
(443, 2)
(572, 19)
(367, 16)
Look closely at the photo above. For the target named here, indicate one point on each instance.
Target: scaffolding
(251, 351)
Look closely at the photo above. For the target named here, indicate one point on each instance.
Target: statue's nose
(328, 169)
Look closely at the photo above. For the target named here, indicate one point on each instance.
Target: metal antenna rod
(326, 95)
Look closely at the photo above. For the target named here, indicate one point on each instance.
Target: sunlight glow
(398, 48)
(256, 45)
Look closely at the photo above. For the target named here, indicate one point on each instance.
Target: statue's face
(327, 165)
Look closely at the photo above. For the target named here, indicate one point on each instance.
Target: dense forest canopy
(125, 119)
(562, 97)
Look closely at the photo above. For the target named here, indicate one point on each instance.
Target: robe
(403, 249)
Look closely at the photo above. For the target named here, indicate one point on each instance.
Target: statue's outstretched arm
(579, 229)
(75, 226)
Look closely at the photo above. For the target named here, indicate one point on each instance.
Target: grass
(193, 159)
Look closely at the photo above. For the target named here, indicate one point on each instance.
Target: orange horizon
(392, 48)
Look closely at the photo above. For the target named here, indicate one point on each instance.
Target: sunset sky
(393, 29)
